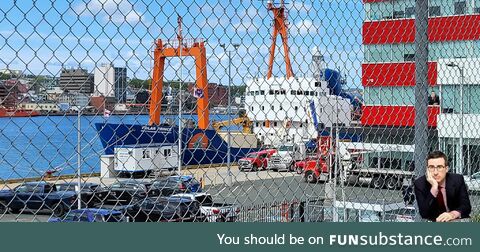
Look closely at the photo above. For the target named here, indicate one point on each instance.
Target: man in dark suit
(441, 196)
(433, 99)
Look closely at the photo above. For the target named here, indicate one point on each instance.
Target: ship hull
(18, 113)
(198, 146)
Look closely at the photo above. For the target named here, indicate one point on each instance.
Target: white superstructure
(280, 108)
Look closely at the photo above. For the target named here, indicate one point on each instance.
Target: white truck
(213, 212)
(286, 156)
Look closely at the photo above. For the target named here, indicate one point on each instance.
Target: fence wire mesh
(246, 111)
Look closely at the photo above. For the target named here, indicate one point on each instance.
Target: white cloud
(304, 27)
(132, 17)
(117, 11)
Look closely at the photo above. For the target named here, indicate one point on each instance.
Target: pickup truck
(212, 212)
(37, 196)
(286, 157)
(256, 160)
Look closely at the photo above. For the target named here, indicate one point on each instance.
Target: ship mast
(279, 27)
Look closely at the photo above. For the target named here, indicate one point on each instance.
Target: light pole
(229, 171)
(459, 170)
(79, 156)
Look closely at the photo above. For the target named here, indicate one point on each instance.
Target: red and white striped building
(388, 70)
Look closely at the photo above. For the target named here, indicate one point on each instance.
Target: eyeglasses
(438, 168)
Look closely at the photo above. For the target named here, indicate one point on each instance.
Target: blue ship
(198, 146)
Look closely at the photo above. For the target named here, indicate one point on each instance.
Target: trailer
(145, 157)
(384, 166)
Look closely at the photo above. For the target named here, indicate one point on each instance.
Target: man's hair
(437, 154)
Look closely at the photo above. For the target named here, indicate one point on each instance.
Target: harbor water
(31, 146)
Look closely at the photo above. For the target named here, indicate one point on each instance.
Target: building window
(167, 152)
(410, 12)
(398, 14)
(409, 57)
(434, 11)
(460, 8)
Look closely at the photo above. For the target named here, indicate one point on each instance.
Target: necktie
(440, 201)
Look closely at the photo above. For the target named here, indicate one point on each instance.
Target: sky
(42, 36)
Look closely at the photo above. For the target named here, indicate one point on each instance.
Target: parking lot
(255, 188)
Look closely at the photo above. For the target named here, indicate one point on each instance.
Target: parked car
(256, 160)
(175, 184)
(188, 210)
(91, 215)
(473, 182)
(125, 191)
(37, 196)
(213, 212)
(91, 194)
(152, 209)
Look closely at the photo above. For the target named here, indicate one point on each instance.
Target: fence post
(421, 86)
(301, 211)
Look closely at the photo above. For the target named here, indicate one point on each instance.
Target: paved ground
(257, 188)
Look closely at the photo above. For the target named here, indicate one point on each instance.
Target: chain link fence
(246, 111)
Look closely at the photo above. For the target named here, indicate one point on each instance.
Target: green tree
(5, 76)
(139, 83)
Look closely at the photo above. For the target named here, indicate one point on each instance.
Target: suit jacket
(457, 197)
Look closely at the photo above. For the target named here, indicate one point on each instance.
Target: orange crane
(243, 120)
(279, 26)
(180, 48)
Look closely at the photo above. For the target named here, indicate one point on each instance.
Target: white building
(111, 81)
(104, 78)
